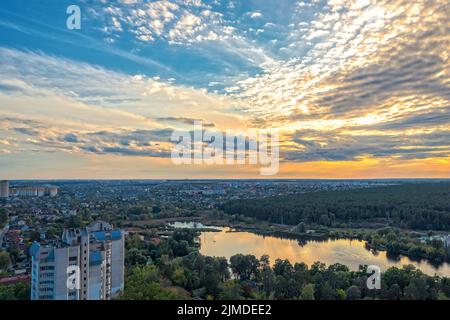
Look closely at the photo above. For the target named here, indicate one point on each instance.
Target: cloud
(70, 137)
(185, 120)
(68, 106)
(154, 143)
(255, 15)
(27, 131)
(366, 55)
(421, 119)
(88, 88)
(343, 80)
(179, 22)
(338, 146)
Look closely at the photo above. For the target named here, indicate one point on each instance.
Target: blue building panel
(95, 258)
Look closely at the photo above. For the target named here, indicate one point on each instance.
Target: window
(44, 268)
(47, 275)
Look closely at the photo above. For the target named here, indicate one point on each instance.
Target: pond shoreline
(305, 239)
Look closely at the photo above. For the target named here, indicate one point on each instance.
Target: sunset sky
(358, 89)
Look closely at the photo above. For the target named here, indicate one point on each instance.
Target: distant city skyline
(358, 89)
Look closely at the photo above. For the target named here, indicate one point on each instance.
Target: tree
(180, 248)
(135, 257)
(266, 275)
(286, 288)
(211, 279)
(223, 268)
(395, 275)
(300, 228)
(325, 220)
(244, 266)
(283, 268)
(394, 292)
(187, 235)
(230, 290)
(179, 277)
(324, 291)
(18, 291)
(445, 286)
(307, 292)
(142, 283)
(353, 293)
(74, 222)
(317, 267)
(5, 261)
(3, 217)
(156, 209)
(414, 206)
(341, 294)
(417, 289)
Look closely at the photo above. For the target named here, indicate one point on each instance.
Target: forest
(417, 206)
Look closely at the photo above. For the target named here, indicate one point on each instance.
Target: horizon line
(221, 179)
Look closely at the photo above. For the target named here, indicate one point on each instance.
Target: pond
(352, 253)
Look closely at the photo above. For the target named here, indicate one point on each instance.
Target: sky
(356, 88)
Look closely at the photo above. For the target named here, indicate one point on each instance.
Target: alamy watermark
(374, 280)
(232, 147)
(73, 277)
(73, 22)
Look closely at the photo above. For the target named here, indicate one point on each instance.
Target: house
(444, 238)
(156, 241)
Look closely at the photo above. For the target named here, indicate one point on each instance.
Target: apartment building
(86, 264)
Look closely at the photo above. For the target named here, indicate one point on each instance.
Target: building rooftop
(98, 231)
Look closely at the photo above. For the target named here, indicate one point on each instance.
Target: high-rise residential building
(93, 255)
(52, 191)
(34, 191)
(4, 189)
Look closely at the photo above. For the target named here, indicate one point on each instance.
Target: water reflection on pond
(351, 253)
